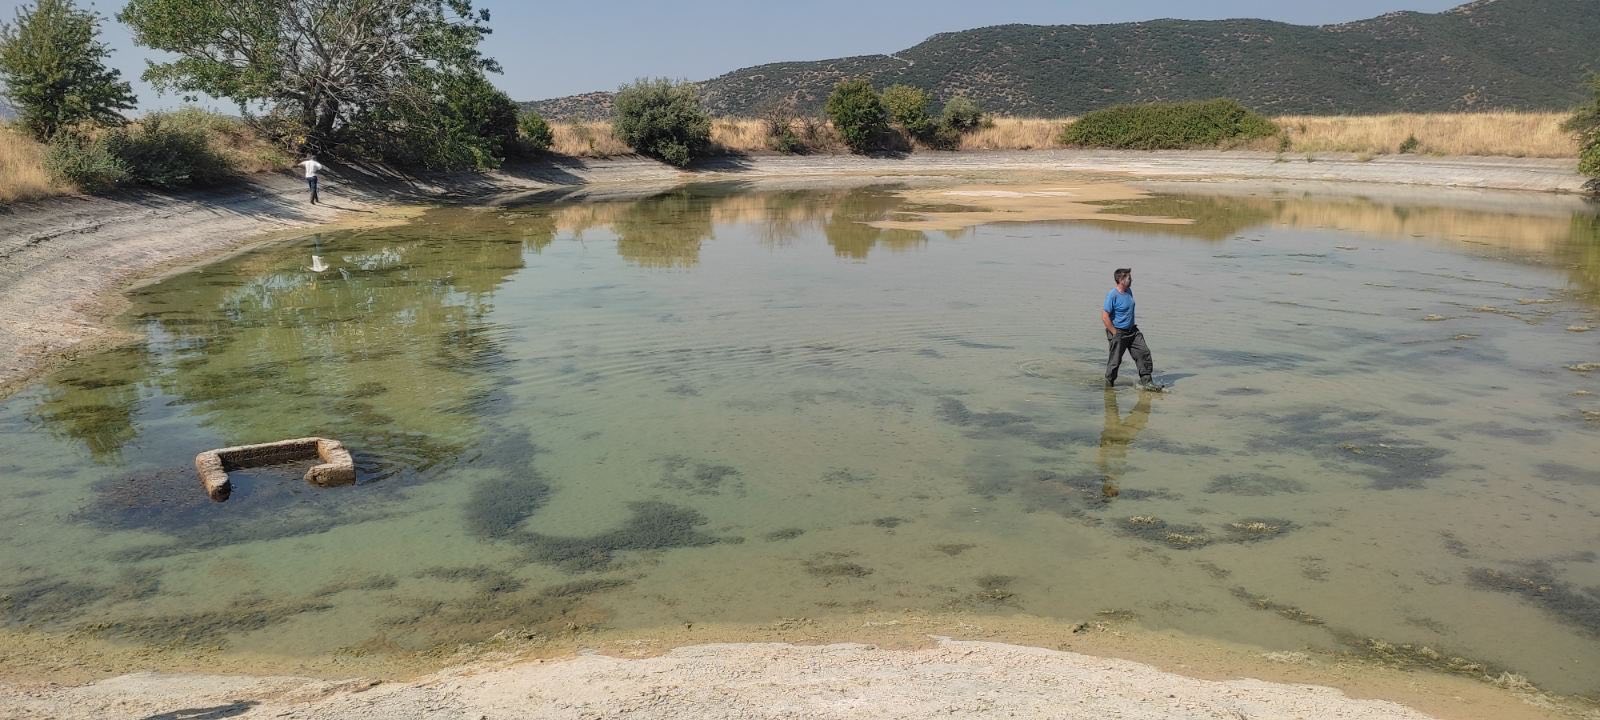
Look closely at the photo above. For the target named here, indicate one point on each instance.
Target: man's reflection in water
(1116, 438)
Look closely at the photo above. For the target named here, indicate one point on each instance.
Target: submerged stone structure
(337, 467)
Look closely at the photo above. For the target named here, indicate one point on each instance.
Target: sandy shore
(64, 264)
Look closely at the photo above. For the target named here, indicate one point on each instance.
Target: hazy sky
(551, 49)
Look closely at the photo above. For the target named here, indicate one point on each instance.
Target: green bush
(85, 161)
(536, 133)
(858, 115)
(1410, 145)
(664, 120)
(164, 150)
(1169, 126)
(167, 153)
(908, 107)
(1585, 123)
(962, 114)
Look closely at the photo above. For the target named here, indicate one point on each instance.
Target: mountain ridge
(1486, 54)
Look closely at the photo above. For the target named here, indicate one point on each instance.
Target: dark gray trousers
(1129, 341)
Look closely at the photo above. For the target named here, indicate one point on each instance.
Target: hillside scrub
(858, 115)
(664, 120)
(1169, 126)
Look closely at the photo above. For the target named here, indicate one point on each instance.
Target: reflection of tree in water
(850, 235)
(392, 342)
(94, 399)
(1582, 255)
(664, 230)
(538, 229)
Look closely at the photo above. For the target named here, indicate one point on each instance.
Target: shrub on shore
(536, 133)
(163, 150)
(664, 120)
(1586, 125)
(961, 114)
(1169, 126)
(858, 115)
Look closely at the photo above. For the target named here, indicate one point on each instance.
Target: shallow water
(723, 406)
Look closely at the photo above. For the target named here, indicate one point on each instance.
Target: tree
(858, 114)
(54, 70)
(663, 119)
(1586, 125)
(328, 62)
(908, 106)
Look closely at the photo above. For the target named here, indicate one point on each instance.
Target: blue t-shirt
(1120, 305)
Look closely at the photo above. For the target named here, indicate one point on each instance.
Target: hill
(1489, 54)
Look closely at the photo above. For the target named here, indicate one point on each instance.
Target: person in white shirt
(312, 168)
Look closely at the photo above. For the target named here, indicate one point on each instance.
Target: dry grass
(1509, 134)
(1513, 134)
(22, 173)
(1007, 133)
(586, 139)
(246, 150)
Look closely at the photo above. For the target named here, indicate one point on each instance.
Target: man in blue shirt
(1123, 333)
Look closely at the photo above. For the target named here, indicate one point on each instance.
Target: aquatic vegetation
(696, 478)
(651, 526)
(367, 390)
(1538, 585)
(841, 476)
(1153, 529)
(954, 549)
(370, 583)
(207, 627)
(1414, 656)
(267, 503)
(488, 579)
(558, 610)
(889, 523)
(784, 534)
(1287, 612)
(1256, 529)
(43, 600)
(835, 564)
(993, 591)
(1454, 545)
(497, 507)
(996, 425)
(1346, 438)
(1562, 472)
(1253, 484)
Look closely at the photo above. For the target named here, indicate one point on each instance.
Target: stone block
(336, 468)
